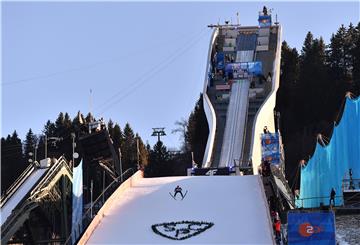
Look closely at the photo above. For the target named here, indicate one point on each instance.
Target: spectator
(351, 184)
(265, 10)
(269, 78)
(332, 196)
(266, 131)
(277, 225)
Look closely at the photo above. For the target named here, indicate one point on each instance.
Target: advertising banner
(311, 228)
(220, 60)
(264, 20)
(211, 171)
(239, 69)
(270, 148)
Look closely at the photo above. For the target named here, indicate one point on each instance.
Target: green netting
(330, 164)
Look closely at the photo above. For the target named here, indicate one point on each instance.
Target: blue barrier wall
(330, 164)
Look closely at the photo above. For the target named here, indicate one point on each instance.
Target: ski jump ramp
(27, 192)
(18, 195)
(249, 109)
(232, 208)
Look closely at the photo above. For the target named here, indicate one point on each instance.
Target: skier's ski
(172, 196)
(184, 196)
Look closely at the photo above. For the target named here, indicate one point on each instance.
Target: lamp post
(73, 149)
(121, 173)
(30, 160)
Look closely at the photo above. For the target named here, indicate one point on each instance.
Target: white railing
(265, 116)
(208, 108)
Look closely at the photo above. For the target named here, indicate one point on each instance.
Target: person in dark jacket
(265, 10)
(332, 196)
(177, 190)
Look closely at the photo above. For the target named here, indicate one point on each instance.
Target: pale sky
(144, 62)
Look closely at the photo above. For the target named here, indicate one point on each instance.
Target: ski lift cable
(148, 78)
(92, 65)
(142, 78)
(129, 92)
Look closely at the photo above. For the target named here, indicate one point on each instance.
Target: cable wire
(145, 79)
(92, 65)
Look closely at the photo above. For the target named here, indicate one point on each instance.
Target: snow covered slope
(20, 193)
(235, 205)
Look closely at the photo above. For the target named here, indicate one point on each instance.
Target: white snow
(20, 193)
(235, 204)
(340, 240)
(235, 123)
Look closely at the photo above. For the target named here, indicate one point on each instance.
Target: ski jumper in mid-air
(177, 190)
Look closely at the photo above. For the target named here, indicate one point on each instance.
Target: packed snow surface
(235, 205)
(20, 193)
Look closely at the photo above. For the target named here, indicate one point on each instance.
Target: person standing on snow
(277, 225)
(332, 196)
(177, 190)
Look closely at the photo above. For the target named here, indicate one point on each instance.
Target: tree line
(311, 95)
(156, 161)
(16, 154)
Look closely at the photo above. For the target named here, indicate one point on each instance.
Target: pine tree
(67, 121)
(49, 128)
(289, 65)
(355, 54)
(12, 162)
(158, 165)
(118, 136)
(110, 127)
(143, 153)
(336, 55)
(59, 124)
(197, 131)
(29, 145)
(307, 46)
(128, 148)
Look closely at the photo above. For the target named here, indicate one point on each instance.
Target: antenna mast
(90, 105)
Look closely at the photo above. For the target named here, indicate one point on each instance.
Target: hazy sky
(144, 62)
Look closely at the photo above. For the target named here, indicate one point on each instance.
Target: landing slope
(236, 206)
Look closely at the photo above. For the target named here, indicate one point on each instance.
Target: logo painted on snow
(306, 229)
(181, 230)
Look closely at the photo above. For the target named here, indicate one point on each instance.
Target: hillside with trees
(15, 154)
(311, 96)
(310, 99)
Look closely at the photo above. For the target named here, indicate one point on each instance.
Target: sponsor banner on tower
(311, 228)
(270, 148)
